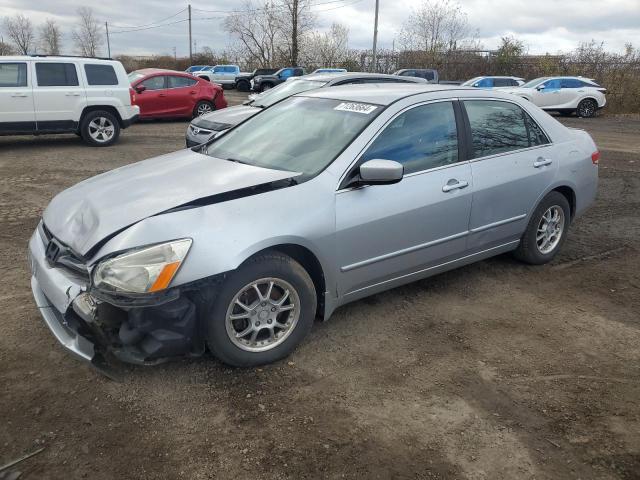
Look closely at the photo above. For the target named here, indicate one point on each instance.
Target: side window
(100, 74)
(154, 83)
(496, 127)
(56, 74)
(551, 85)
(286, 73)
(180, 82)
(421, 138)
(13, 74)
(485, 83)
(218, 69)
(571, 83)
(408, 73)
(503, 82)
(427, 75)
(536, 135)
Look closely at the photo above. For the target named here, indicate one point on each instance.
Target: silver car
(322, 199)
(204, 128)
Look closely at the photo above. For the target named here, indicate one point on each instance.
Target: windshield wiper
(235, 160)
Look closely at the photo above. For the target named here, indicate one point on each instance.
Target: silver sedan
(322, 199)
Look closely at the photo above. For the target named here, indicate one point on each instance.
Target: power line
(148, 28)
(258, 9)
(149, 24)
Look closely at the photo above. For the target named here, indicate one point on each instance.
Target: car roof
(338, 76)
(153, 71)
(382, 93)
(56, 58)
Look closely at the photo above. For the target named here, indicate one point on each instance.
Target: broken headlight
(146, 270)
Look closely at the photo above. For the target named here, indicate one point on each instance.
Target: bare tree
(5, 48)
(327, 48)
(50, 37)
(88, 34)
(508, 54)
(296, 21)
(258, 29)
(20, 31)
(435, 27)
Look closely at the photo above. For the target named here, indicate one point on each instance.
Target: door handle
(454, 184)
(72, 94)
(541, 162)
(15, 95)
(193, 92)
(162, 95)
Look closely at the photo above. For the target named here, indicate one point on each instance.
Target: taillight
(602, 90)
(132, 95)
(595, 157)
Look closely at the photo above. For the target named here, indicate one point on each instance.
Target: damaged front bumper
(94, 327)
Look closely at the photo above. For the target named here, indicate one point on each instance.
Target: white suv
(48, 94)
(564, 95)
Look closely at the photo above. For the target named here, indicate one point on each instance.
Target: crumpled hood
(230, 115)
(88, 212)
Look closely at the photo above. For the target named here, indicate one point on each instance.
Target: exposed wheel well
(570, 195)
(106, 108)
(311, 264)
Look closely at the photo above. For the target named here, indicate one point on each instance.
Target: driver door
(548, 96)
(384, 232)
(153, 99)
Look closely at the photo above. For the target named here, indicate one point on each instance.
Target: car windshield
(133, 76)
(471, 82)
(300, 134)
(534, 82)
(285, 90)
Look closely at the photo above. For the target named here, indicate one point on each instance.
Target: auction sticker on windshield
(356, 107)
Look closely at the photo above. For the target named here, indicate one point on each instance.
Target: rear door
(17, 114)
(153, 99)
(182, 93)
(389, 231)
(513, 164)
(59, 96)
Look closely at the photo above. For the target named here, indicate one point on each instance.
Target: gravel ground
(493, 371)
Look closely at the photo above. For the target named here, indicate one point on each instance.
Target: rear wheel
(262, 311)
(546, 231)
(243, 86)
(587, 108)
(99, 128)
(202, 107)
(266, 86)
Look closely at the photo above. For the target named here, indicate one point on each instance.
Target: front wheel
(100, 128)
(243, 86)
(261, 312)
(587, 108)
(546, 231)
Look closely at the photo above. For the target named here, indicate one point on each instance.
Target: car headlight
(146, 270)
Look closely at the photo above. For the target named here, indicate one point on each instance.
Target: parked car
(429, 74)
(197, 68)
(494, 82)
(330, 70)
(322, 199)
(224, 75)
(565, 95)
(167, 94)
(87, 96)
(243, 82)
(261, 83)
(204, 128)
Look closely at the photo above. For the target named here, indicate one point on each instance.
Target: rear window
(56, 75)
(179, 82)
(13, 74)
(100, 74)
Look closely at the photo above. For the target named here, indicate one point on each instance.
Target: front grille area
(64, 257)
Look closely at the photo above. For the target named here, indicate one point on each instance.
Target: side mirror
(140, 88)
(540, 87)
(380, 172)
(476, 85)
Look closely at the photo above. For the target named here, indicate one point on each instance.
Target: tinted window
(498, 127)
(485, 83)
(421, 138)
(56, 74)
(100, 75)
(286, 73)
(503, 82)
(426, 74)
(218, 69)
(178, 82)
(153, 83)
(408, 73)
(571, 83)
(554, 84)
(13, 74)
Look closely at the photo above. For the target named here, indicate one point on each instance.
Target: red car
(167, 93)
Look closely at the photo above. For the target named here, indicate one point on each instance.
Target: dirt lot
(497, 370)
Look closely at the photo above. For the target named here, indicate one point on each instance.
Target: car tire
(99, 128)
(546, 231)
(243, 86)
(266, 86)
(587, 108)
(260, 315)
(202, 108)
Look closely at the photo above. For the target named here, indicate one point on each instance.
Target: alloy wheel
(550, 229)
(101, 129)
(262, 314)
(203, 108)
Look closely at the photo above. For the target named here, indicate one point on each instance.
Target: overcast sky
(544, 25)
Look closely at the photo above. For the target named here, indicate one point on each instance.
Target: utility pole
(190, 44)
(106, 26)
(375, 38)
(294, 33)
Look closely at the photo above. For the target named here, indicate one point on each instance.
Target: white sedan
(564, 95)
